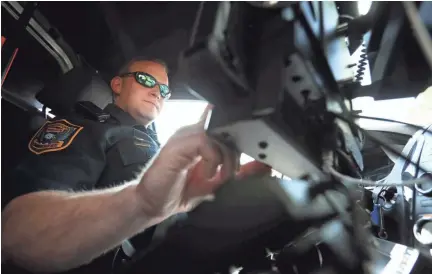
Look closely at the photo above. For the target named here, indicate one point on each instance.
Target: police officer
(80, 195)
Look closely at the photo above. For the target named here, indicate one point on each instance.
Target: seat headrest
(79, 84)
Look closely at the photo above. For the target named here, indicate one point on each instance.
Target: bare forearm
(55, 231)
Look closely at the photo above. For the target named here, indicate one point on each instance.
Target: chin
(148, 115)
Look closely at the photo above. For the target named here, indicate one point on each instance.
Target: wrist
(139, 210)
(132, 208)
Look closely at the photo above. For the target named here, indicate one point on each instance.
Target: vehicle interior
(56, 54)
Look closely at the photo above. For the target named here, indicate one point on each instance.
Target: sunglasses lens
(146, 80)
(150, 82)
(165, 92)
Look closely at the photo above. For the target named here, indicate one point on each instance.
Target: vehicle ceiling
(105, 34)
(97, 30)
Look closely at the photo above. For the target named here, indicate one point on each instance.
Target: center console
(411, 206)
(422, 202)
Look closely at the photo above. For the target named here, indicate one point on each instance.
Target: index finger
(205, 116)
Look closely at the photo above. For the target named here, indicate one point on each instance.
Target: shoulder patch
(53, 136)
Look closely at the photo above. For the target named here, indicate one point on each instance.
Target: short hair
(125, 68)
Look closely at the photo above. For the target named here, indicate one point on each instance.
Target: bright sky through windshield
(181, 113)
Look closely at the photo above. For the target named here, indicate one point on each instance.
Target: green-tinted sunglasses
(148, 81)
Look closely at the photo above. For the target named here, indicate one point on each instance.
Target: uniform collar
(122, 116)
(126, 119)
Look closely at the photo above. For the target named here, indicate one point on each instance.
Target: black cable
(114, 261)
(379, 195)
(392, 121)
(362, 63)
(351, 164)
(320, 57)
(382, 191)
(355, 181)
(376, 140)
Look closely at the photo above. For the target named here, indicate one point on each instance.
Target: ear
(116, 85)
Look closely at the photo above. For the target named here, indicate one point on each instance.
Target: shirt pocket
(135, 152)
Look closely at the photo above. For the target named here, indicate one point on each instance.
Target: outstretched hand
(188, 169)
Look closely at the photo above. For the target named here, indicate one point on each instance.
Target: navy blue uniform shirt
(76, 153)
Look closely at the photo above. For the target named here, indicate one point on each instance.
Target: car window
(177, 114)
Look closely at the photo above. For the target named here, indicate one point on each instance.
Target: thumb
(253, 168)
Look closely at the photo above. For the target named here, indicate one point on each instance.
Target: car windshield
(412, 110)
(177, 114)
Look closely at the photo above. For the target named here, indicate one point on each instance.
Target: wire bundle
(328, 163)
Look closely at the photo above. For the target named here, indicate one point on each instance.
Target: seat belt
(157, 237)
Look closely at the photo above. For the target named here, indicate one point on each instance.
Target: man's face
(144, 104)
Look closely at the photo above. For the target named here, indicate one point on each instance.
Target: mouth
(156, 106)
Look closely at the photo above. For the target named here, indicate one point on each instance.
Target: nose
(155, 92)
